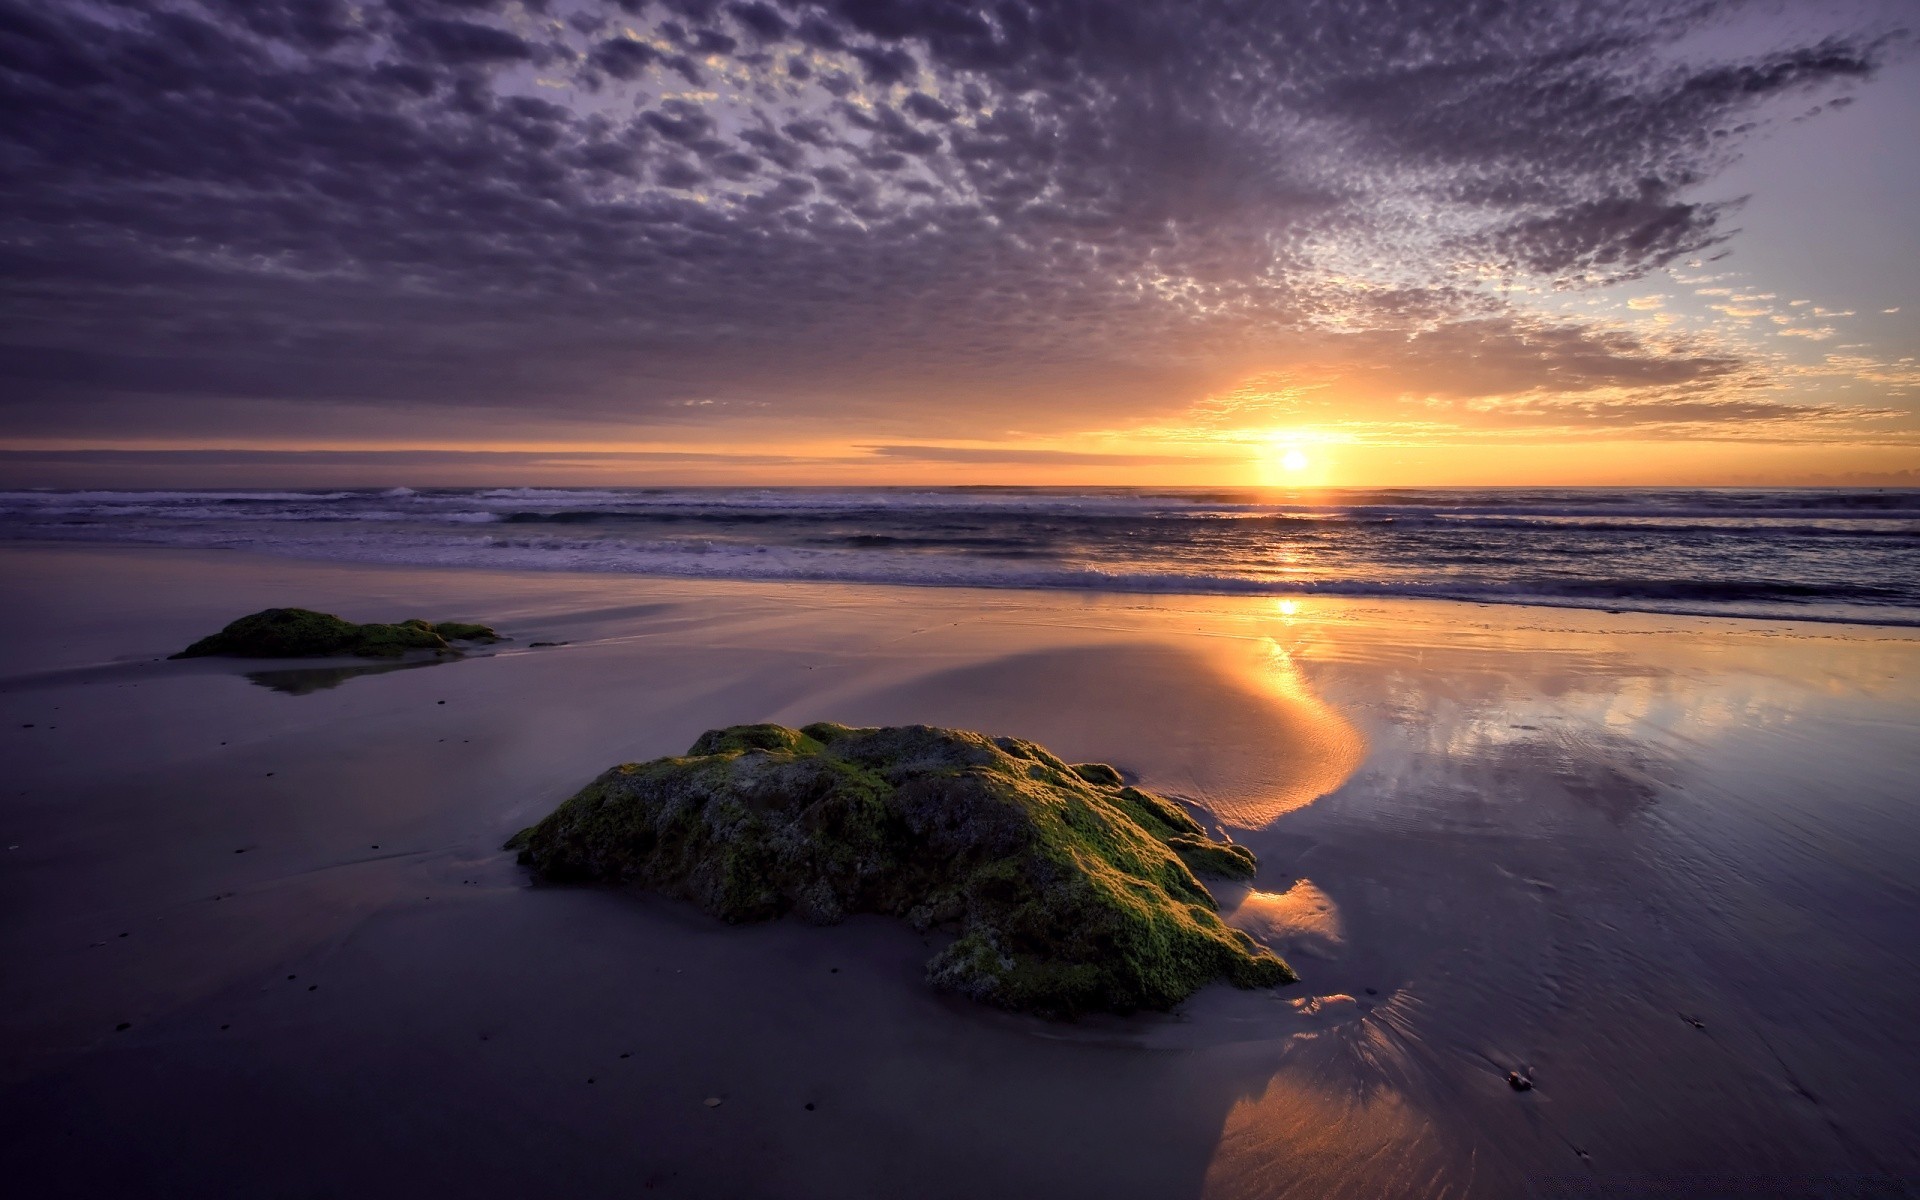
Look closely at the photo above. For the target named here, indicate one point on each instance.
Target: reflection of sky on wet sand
(1662, 865)
(305, 680)
(1247, 742)
(1326, 746)
(1303, 918)
(1661, 868)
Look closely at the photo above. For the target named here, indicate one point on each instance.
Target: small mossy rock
(464, 631)
(1069, 894)
(303, 633)
(1099, 773)
(1207, 857)
(747, 737)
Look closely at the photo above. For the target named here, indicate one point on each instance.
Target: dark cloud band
(613, 208)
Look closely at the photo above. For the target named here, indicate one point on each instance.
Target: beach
(1658, 864)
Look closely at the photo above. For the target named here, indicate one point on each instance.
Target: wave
(1760, 552)
(53, 496)
(209, 515)
(1701, 504)
(1166, 529)
(523, 494)
(1336, 505)
(1020, 567)
(595, 516)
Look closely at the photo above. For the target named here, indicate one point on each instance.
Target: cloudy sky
(1147, 241)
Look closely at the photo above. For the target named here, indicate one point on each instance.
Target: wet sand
(1662, 866)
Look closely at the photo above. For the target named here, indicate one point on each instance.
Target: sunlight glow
(1288, 458)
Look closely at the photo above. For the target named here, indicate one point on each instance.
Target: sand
(1661, 866)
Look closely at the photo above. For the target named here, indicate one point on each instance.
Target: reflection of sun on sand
(1324, 746)
(1345, 1110)
(1303, 1138)
(1303, 919)
(1237, 732)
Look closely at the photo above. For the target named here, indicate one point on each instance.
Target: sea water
(1826, 554)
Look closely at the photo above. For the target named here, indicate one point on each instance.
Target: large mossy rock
(303, 633)
(1069, 890)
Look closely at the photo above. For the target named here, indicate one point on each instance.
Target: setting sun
(1290, 458)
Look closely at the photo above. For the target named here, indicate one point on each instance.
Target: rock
(462, 631)
(1068, 892)
(303, 633)
(1099, 773)
(712, 1102)
(1519, 1082)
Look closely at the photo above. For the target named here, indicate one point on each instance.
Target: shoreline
(1140, 598)
(1491, 838)
(1813, 555)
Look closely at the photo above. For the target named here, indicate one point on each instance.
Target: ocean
(1813, 554)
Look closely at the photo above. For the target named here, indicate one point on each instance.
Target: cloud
(232, 456)
(1017, 456)
(230, 209)
(1909, 478)
(1484, 381)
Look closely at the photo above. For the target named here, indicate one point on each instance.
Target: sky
(1298, 243)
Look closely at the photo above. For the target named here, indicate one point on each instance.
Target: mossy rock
(303, 633)
(465, 631)
(1069, 892)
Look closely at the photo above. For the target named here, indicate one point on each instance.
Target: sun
(1291, 458)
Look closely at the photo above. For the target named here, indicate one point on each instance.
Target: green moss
(749, 737)
(1068, 891)
(1098, 773)
(1206, 857)
(303, 633)
(463, 631)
